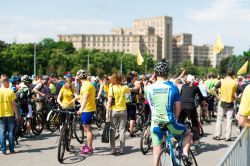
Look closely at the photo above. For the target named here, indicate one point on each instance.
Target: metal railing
(239, 152)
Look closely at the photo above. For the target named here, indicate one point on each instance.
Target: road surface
(42, 151)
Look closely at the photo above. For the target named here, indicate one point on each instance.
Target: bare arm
(109, 103)
(15, 109)
(100, 91)
(59, 97)
(38, 92)
(215, 94)
(182, 74)
(243, 121)
(84, 102)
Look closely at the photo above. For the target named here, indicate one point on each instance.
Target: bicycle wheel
(138, 124)
(164, 158)
(145, 142)
(192, 159)
(61, 146)
(78, 130)
(37, 123)
(98, 118)
(53, 121)
(68, 136)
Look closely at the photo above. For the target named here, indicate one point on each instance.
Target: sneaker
(2, 153)
(86, 150)
(132, 136)
(12, 152)
(186, 160)
(228, 139)
(216, 138)
(82, 151)
(146, 142)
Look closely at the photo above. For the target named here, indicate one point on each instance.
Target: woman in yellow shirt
(66, 95)
(117, 105)
(104, 89)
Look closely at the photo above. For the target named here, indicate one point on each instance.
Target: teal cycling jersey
(162, 96)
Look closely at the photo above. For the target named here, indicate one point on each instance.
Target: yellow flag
(140, 59)
(218, 46)
(243, 69)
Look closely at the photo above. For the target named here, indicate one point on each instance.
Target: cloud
(230, 18)
(33, 29)
(220, 10)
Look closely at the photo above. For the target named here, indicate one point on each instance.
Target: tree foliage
(234, 62)
(56, 58)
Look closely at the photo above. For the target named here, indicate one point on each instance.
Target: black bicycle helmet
(161, 68)
(26, 79)
(81, 74)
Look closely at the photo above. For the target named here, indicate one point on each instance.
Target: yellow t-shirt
(6, 98)
(119, 93)
(106, 89)
(88, 88)
(244, 109)
(67, 96)
(228, 89)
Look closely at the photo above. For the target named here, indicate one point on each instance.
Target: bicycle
(67, 131)
(146, 140)
(99, 115)
(171, 154)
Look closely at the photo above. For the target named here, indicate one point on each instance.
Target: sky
(33, 20)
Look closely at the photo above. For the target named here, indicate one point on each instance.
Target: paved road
(42, 151)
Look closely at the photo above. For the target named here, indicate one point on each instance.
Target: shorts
(131, 109)
(173, 127)
(87, 118)
(210, 101)
(29, 115)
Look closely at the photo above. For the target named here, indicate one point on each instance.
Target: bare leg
(87, 129)
(156, 152)
(186, 142)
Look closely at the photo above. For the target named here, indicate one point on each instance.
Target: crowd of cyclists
(177, 105)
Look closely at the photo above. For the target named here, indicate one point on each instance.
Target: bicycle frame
(169, 145)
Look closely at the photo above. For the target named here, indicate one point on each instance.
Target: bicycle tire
(61, 146)
(37, 123)
(53, 126)
(148, 139)
(68, 136)
(166, 154)
(192, 157)
(98, 118)
(77, 126)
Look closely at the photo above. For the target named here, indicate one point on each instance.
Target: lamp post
(88, 63)
(121, 64)
(35, 60)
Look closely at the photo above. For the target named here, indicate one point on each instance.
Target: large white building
(153, 36)
(183, 49)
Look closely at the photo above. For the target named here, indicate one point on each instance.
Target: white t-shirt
(203, 89)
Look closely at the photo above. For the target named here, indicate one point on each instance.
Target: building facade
(204, 55)
(153, 36)
(183, 49)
